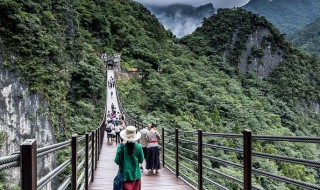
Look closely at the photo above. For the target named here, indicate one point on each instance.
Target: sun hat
(130, 134)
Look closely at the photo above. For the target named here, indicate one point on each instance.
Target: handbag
(118, 181)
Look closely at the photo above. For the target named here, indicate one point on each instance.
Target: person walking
(153, 160)
(118, 128)
(133, 156)
(144, 142)
(111, 93)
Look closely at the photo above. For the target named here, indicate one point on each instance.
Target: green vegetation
(288, 15)
(199, 89)
(308, 38)
(224, 34)
(53, 46)
(185, 84)
(46, 47)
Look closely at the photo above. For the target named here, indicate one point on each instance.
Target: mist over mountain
(181, 19)
(287, 15)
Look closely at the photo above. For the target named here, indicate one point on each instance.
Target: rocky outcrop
(259, 56)
(22, 116)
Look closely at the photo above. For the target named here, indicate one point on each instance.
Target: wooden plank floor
(107, 170)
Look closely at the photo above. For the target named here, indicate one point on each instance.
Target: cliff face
(258, 56)
(21, 119)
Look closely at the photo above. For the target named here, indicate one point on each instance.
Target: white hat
(130, 134)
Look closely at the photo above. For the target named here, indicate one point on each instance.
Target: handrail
(186, 143)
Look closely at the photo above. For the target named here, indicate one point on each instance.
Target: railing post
(247, 159)
(92, 155)
(28, 164)
(200, 172)
(74, 157)
(101, 137)
(163, 162)
(96, 152)
(177, 151)
(87, 162)
(103, 129)
(98, 141)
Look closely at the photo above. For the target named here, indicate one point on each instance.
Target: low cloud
(216, 3)
(179, 24)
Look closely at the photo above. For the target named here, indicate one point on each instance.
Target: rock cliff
(259, 56)
(22, 116)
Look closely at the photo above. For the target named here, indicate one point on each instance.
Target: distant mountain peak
(288, 15)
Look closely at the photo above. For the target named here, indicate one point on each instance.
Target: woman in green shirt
(133, 156)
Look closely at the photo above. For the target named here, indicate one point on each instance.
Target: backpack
(108, 129)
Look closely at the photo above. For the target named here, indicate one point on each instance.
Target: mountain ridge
(308, 38)
(288, 16)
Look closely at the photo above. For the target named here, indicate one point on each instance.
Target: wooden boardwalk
(107, 170)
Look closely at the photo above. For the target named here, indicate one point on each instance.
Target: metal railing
(26, 159)
(175, 149)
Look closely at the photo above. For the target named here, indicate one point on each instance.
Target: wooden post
(177, 151)
(87, 163)
(28, 164)
(92, 155)
(200, 172)
(74, 162)
(247, 159)
(163, 162)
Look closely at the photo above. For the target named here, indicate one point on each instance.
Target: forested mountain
(204, 89)
(182, 19)
(188, 84)
(288, 15)
(308, 38)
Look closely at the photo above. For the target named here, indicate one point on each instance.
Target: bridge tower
(112, 62)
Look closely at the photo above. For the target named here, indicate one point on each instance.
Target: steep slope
(181, 19)
(204, 89)
(287, 15)
(252, 44)
(249, 42)
(308, 39)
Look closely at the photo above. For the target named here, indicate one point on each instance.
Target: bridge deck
(107, 170)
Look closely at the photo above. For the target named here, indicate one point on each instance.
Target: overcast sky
(216, 3)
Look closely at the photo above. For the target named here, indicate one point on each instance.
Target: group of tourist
(135, 153)
(111, 82)
(115, 123)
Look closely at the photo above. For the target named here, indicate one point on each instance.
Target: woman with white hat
(132, 157)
